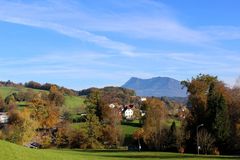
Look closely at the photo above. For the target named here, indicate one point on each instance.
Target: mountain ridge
(156, 86)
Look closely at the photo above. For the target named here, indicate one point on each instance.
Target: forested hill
(111, 94)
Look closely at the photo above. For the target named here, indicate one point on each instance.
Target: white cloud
(142, 19)
(47, 17)
(222, 32)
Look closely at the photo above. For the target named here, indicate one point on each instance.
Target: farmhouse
(128, 114)
(3, 117)
(143, 99)
(112, 105)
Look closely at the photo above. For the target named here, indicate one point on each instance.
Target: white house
(143, 99)
(142, 113)
(112, 105)
(3, 117)
(128, 114)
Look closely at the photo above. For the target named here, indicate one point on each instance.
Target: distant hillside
(157, 86)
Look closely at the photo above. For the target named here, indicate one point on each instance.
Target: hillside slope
(9, 151)
(71, 102)
(157, 86)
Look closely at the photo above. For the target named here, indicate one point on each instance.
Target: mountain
(157, 86)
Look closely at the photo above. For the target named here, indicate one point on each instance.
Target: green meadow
(9, 151)
(71, 102)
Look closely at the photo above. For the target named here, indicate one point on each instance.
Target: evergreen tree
(172, 137)
(221, 125)
(212, 103)
(92, 129)
(217, 120)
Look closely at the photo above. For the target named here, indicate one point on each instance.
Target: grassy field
(10, 151)
(71, 102)
(130, 127)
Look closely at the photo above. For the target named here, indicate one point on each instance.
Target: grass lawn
(73, 102)
(170, 121)
(5, 91)
(129, 128)
(10, 151)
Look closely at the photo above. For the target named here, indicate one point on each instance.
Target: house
(142, 113)
(112, 105)
(182, 112)
(3, 117)
(143, 99)
(128, 113)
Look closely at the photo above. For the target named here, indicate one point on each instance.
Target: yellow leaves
(138, 133)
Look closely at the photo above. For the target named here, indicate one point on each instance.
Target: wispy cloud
(139, 19)
(47, 17)
(222, 32)
(142, 19)
(121, 28)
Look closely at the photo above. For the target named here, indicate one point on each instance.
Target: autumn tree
(206, 141)
(47, 115)
(32, 84)
(2, 104)
(208, 101)
(93, 129)
(154, 126)
(55, 96)
(77, 137)
(112, 132)
(234, 113)
(28, 126)
(21, 128)
(138, 135)
(62, 134)
(44, 112)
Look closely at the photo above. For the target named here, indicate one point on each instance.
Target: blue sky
(82, 43)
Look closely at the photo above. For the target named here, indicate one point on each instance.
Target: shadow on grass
(99, 151)
(168, 157)
(141, 155)
(132, 124)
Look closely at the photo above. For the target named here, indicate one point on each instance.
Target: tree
(93, 129)
(47, 115)
(21, 128)
(10, 99)
(77, 137)
(62, 135)
(138, 135)
(94, 100)
(112, 132)
(217, 119)
(221, 125)
(28, 126)
(234, 116)
(55, 96)
(206, 141)
(44, 112)
(172, 137)
(154, 129)
(32, 84)
(208, 99)
(2, 104)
